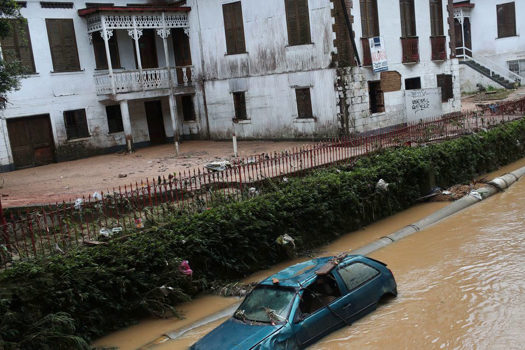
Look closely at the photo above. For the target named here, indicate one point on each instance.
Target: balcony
(143, 80)
(367, 56)
(410, 49)
(439, 49)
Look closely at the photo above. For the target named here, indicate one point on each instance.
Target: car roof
(301, 274)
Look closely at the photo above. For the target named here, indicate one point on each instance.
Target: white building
(490, 42)
(107, 75)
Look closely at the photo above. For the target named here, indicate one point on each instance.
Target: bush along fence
(55, 228)
(65, 300)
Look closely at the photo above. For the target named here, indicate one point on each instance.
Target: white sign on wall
(423, 104)
(378, 53)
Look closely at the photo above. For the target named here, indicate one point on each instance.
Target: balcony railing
(367, 56)
(410, 49)
(147, 80)
(439, 49)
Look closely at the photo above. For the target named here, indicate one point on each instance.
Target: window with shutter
(436, 18)
(16, 45)
(239, 103)
(234, 28)
(444, 81)
(369, 18)
(298, 22)
(114, 119)
(100, 51)
(408, 18)
(63, 44)
(506, 20)
(76, 124)
(304, 103)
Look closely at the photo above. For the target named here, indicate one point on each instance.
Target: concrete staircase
(491, 74)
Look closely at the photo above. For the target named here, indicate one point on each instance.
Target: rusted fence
(54, 228)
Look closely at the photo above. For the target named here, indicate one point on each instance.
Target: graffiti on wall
(423, 103)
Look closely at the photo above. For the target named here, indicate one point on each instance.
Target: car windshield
(266, 304)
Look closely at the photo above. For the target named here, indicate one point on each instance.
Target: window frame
(502, 20)
(79, 133)
(410, 81)
(298, 91)
(182, 103)
(436, 28)
(98, 43)
(410, 22)
(336, 280)
(382, 93)
(445, 97)
(121, 124)
(371, 24)
(237, 43)
(242, 107)
(56, 69)
(303, 30)
(16, 47)
(348, 290)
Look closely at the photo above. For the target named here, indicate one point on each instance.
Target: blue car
(299, 305)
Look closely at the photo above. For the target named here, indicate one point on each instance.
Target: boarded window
(114, 119)
(298, 22)
(76, 124)
(376, 97)
(369, 19)
(188, 108)
(239, 103)
(506, 20)
(304, 103)
(63, 44)
(408, 18)
(413, 83)
(56, 5)
(444, 81)
(357, 274)
(100, 51)
(16, 46)
(234, 28)
(436, 18)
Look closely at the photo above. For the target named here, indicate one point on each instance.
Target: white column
(126, 122)
(174, 122)
(136, 33)
(106, 35)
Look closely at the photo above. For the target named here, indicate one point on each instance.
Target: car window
(356, 274)
(266, 304)
(320, 293)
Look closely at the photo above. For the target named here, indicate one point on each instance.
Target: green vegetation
(66, 300)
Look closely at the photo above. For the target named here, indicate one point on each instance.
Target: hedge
(66, 300)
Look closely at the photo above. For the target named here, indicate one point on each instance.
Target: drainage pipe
(498, 184)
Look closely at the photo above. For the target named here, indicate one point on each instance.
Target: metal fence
(90, 220)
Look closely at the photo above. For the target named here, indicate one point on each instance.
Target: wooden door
(31, 140)
(157, 133)
(181, 51)
(148, 49)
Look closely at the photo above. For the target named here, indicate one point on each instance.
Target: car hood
(235, 335)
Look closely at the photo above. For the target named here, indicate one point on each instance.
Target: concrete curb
(498, 184)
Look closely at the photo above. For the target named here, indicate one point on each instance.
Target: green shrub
(66, 300)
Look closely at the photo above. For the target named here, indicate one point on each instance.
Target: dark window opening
(376, 96)
(188, 108)
(444, 81)
(369, 18)
(304, 103)
(298, 22)
(357, 274)
(408, 18)
(114, 119)
(76, 124)
(100, 51)
(318, 294)
(436, 18)
(63, 45)
(56, 5)
(16, 45)
(239, 103)
(506, 19)
(234, 28)
(413, 83)
(22, 4)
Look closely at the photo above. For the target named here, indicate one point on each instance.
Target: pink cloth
(185, 268)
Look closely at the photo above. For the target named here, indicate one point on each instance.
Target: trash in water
(185, 269)
(476, 195)
(218, 166)
(382, 185)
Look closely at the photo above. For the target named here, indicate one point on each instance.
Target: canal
(461, 285)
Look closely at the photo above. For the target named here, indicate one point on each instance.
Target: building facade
(489, 41)
(107, 76)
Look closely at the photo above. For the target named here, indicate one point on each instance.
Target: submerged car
(299, 305)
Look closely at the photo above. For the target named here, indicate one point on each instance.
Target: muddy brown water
(461, 285)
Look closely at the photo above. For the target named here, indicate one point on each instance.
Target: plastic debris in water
(185, 269)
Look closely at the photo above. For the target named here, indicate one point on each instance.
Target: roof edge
(100, 9)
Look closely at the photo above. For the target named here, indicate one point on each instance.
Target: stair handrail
(500, 70)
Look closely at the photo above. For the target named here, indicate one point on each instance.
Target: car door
(363, 291)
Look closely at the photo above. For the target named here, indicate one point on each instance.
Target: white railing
(492, 66)
(150, 79)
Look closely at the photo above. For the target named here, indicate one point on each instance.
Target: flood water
(461, 285)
